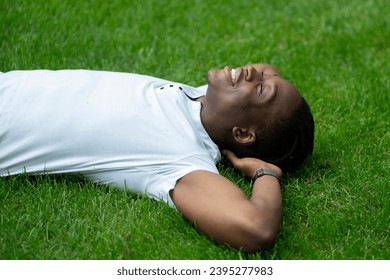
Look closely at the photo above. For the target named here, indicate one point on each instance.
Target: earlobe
(244, 136)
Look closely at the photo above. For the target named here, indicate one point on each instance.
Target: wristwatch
(262, 172)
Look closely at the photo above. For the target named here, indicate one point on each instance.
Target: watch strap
(262, 172)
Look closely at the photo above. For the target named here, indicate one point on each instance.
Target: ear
(244, 136)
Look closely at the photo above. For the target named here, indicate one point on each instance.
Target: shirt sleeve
(155, 181)
(162, 181)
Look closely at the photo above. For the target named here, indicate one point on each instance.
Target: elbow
(259, 237)
(259, 243)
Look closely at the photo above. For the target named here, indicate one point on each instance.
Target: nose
(253, 75)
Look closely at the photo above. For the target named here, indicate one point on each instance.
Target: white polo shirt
(123, 129)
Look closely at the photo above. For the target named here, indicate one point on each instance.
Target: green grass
(336, 52)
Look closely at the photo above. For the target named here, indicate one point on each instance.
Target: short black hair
(287, 140)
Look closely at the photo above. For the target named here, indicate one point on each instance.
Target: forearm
(267, 199)
(265, 208)
(266, 191)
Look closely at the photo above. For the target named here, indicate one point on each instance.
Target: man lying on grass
(164, 139)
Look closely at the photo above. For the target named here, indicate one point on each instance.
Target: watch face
(258, 174)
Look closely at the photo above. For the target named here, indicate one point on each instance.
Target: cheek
(228, 102)
(245, 98)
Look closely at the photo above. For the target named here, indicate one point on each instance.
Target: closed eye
(260, 88)
(261, 85)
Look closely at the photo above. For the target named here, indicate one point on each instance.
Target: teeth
(233, 73)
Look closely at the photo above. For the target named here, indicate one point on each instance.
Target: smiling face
(248, 97)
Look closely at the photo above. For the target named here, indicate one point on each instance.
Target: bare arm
(222, 211)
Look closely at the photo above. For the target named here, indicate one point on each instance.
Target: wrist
(265, 172)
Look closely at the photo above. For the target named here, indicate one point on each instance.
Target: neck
(219, 136)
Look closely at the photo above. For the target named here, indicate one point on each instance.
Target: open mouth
(233, 75)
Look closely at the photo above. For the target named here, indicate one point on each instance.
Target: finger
(230, 156)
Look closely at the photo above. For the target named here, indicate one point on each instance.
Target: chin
(211, 73)
(215, 79)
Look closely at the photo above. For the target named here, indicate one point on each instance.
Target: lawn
(336, 52)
